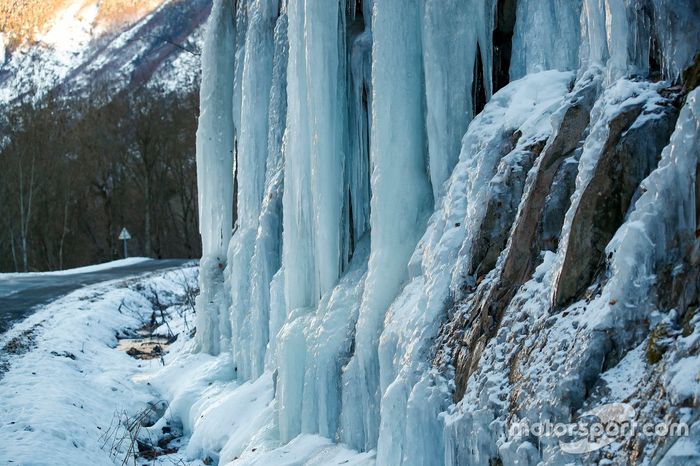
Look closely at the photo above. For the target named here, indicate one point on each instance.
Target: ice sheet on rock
(546, 383)
(626, 376)
(622, 96)
(524, 106)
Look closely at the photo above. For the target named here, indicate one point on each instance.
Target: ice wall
(252, 155)
(385, 231)
(449, 74)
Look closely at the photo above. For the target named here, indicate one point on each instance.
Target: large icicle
(325, 72)
(315, 186)
(315, 152)
(252, 155)
(267, 256)
(401, 200)
(300, 284)
(632, 39)
(546, 36)
(448, 82)
(215, 172)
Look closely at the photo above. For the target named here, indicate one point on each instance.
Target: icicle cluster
(379, 202)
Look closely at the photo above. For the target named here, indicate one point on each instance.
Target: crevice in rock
(478, 84)
(556, 203)
(503, 42)
(655, 59)
(501, 210)
(691, 75)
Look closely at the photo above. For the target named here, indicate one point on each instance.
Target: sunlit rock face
(454, 216)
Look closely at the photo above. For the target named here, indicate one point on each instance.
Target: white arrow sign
(125, 237)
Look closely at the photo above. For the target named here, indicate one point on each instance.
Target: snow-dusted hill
(95, 45)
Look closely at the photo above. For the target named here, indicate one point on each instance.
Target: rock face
(522, 255)
(630, 152)
(546, 339)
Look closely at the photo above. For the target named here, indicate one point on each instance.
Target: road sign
(125, 236)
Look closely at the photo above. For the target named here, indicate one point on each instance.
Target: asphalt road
(21, 296)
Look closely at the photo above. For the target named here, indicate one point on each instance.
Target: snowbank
(86, 269)
(63, 383)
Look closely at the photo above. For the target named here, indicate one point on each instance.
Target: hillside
(106, 85)
(77, 45)
(25, 20)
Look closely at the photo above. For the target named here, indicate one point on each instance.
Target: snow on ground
(63, 381)
(86, 269)
(68, 394)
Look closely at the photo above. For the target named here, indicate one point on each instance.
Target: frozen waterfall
(415, 194)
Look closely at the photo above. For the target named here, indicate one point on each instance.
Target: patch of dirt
(149, 347)
(21, 344)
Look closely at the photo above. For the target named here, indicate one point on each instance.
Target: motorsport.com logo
(597, 428)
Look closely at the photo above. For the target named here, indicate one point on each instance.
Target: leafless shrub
(123, 440)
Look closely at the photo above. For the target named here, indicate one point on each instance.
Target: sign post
(125, 236)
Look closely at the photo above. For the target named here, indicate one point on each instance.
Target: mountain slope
(74, 46)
